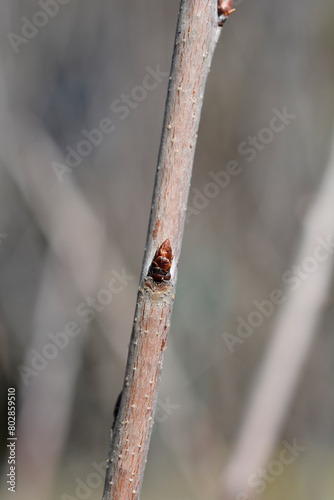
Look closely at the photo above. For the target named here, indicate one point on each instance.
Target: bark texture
(196, 38)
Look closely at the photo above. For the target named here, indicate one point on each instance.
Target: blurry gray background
(63, 237)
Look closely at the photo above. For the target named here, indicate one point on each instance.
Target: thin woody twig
(196, 37)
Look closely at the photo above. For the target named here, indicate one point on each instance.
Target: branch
(84, 257)
(46, 400)
(289, 348)
(196, 38)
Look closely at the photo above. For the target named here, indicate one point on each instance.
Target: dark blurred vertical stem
(196, 37)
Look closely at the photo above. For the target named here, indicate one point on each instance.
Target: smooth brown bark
(196, 38)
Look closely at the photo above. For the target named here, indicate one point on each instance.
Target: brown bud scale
(161, 263)
(224, 10)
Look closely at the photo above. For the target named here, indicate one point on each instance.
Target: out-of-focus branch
(47, 398)
(294, 332)
(78, 242)
(73, 232)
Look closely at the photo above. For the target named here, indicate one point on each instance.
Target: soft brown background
(64, 239)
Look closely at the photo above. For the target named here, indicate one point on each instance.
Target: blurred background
(80, 126)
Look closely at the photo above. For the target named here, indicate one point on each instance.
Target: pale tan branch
(196, 38)
(294, 332)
